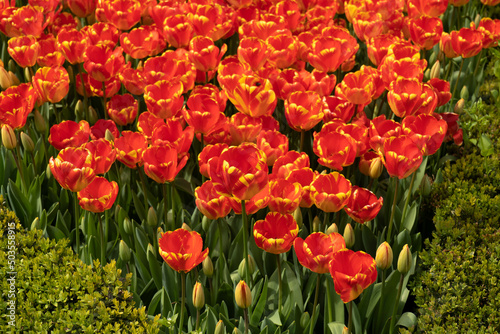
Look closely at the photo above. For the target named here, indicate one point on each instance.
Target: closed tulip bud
(27, 142)
(152, 219)
(433, 57)
(305, 318)
(205, 223)
(36, 225)
(151, 250)
(69, 69)
(383, 257)
(27, 74)
(243, 295)
(159, 233)
(427, 74)
(236, 331)
(208, 267)
(14, 79)
(92, 117)
(79, 110)
(345, 330)
(477, 20)
(109, 136)
(220, 328)
(459, 106)
(186, 227)
(464, 93)
(297, 215)
(316, 223)
(198, 296)
(376, 168)
(404, 260)
(8, 137)
(242, 266)
(436, 70)
(124, 251)
(5, 81)
(349, 236)
(128, 227)
(48, 172)
(11, 65)
(332, 229)
(40, 124)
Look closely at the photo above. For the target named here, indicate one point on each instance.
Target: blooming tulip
(99, 195)
(73, 168)
(69, 134)
(402, 156)
(363, 205)
(316, 251)
(330, 192)
(129, 148)
(161, 163)
(181, 249)
(210, 203)
(276, 233)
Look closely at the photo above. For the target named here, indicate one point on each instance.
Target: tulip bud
(35, 225)
(436, 70)
(459, 107)
(27, 142)
(152, 219)
(349, 236)
(159, 233)
(376, 168)
(477, 20)
(427, 74)
(14, 79)
(92, 117)
(404, 260)
(316, 223)
(69, 69)
(205, 223)
(11, 66)
(151, 250)
(464, 93)
(128, 227)
(109, 136)
(208, 267)
(198, 296)
(426, 185)
(80, 112)
(220, 328)
(297, 215)
(243, 295)
(48, 172)
(40, 124)
(433, 57)
(5, 81)
(124, 251)
(332, 229)
(345, 330)
(186, 227)
(27, 74)
(236, 331)
(242, 267)
(305, 318)
(8, 137)
(384, 257)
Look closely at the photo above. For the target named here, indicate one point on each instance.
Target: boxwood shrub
(46, 289)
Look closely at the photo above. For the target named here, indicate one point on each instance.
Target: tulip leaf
(34, 195)
(260, 306)
(411, 217)
(292, 284)
(142, 266)
(139, 207)
(356, 318)
(211, 320)
(63, 200)
(63, 221)
(155, 301)
(420, 173)
(51, 214)
(369, 299)
(369, 240)
(336, 327)
(408, 320)
(225, 292)
(19, 203)
(389, 293)
(155, 269)
(55, 233)
(265, 330)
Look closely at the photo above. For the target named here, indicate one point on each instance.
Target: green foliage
(456, 288)
(55, 292)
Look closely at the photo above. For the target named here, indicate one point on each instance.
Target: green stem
(478, 62)
(456, 84)
(389, 232)
(316, 294)
(165, 205)
(407, 201)
(394, 312)
(349, 322)
(197, 319)
(221, 250)
(144, 187)
(77, 225)
(280, 288)
(104, 100)
(103, 243)
(172, 190)
(245, 240)
(245, 312)
(85, 99)
(183, 300)
(17, 156)
(302, 138)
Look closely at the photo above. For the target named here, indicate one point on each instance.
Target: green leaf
(260, 306)
(55, 233)
(19, 203)
(155, 301)
(369, 240)
(155, 269)
(408, 320)
(336, 327)
(485, 145)
(411, 217)
(275, 318)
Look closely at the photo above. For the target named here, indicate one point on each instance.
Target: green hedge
(457, 289)
(54, 292)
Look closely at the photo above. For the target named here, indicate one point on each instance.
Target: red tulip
(406, 96)
(363, 205)
(142, 42)
(244, 128)
(352, 272)
(164, 98)
(334, 149)
(330, 192)
(337, 108)
(253, 96)
(99, 195)
(133, 80)
(253, 52)
(28, 20)
(276, 233)
(210, 203)
(257, 202)
(368, 24)
(147, 123)
(454, 132)
(124, 14)
(378, 46)
(303, 110)
(161, 163)
(182, 249)
(204, 54)
(273, 143)
(203, 113)
(371, 165)
(73, 168)
(62, 20)
(429, 129)
(102, 62)
(177, 30)
(304, 176)
(82, 8)
(285, 196)
(69, 134)
(240, 171)
(426, 31)
(129, 148)
(24, 50)
(316, 251)
(442, 90)
(207, 153)
(467, 42)
(357, 88)
(292, 160)
(446, 47)
(16, 102)
(51, 84)
(381, 129)
(326, 54)
(491, 31)
(283, 50)
(49, 54)
(220, 134)
(401, 156)
(173, 134)
(122, 109)
(98, 130)
(104, 154)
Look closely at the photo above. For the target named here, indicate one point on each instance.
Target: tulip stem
(302, 138)
(183, 300)
(456, 84)
(389, 232)
(103, 244)
(477, 64)
(316, 294)
(245, 312)
(407, 201)
(165, 205)
(280, 288)
(144, 188)
(77, 226)
(245, 241)
(17, 154)
(393, 318)
(349, 322)
(221, 251)
(85, 100)
(197, 319)
(104, 100)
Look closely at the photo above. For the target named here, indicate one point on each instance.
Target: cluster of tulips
(269, 99)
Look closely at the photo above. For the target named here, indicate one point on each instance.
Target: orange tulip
(164, 98)
(29, 20)
(381, 129)
(273, 143)
(122, 109)
(253, 96)
(363, 205)
(276, 233)
(173, 134)
(253, 52)
(244, 128)
(337, 108)
(207, 153)
(69, 134)
(177, 30)
(316, 251)
(428, 129)
(285, 196)
(24, 50)
(81, 8)
(330, 192)
(204, 54)
(147, 122)
(402, 156)
(357, 88)
(73, 168)
(283, 49)
(257, 202)
(49, 55)
(16, 102)
(446, 47)
(335, 150)
(326, 54)
(104, 154)
(292, 160)
(203, 113)
(426, 31)
(161, 163)
(142, 42)
(51, 84)
(124, 14)
(442, 90)
(491, 31)
(304, 176)
(99, 195)
(303, 110)
(371, 165)
(210, 203)
(102, 62)
(454, 132)
(98, 130)
(406, 96)
(182, 249)
(129, 148)
(467, 42)
(352, 272)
